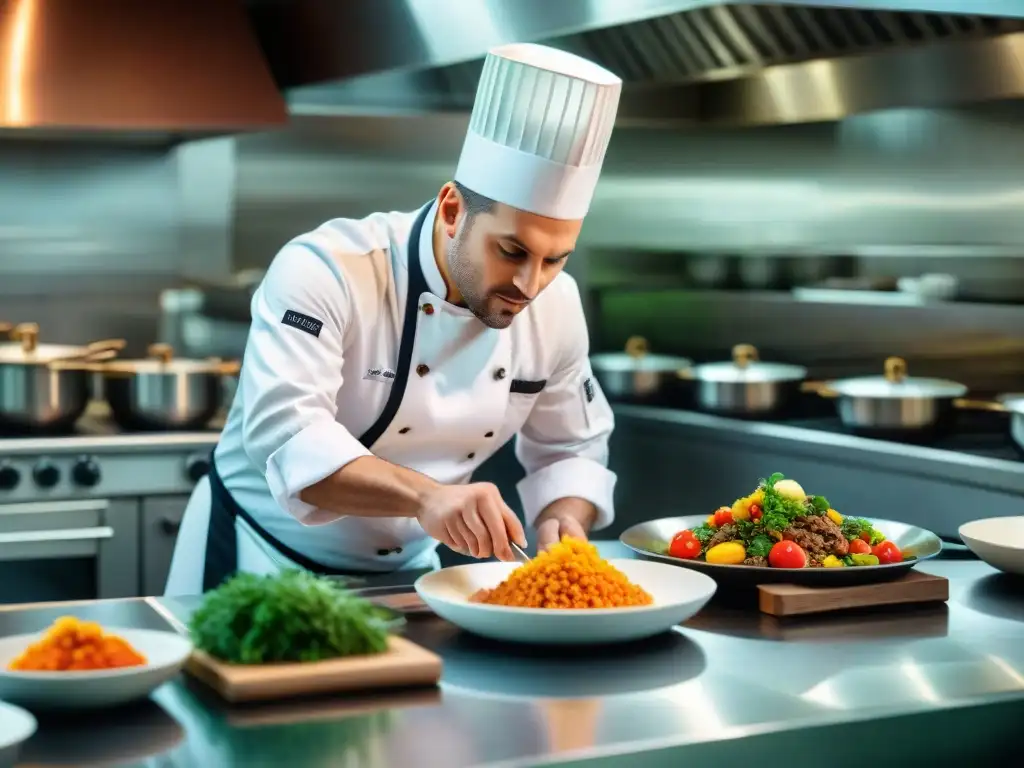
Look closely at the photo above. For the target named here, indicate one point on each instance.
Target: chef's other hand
(472, 519)
(552, 530)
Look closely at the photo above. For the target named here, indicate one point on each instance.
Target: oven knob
(197, 467)
(86, 472)
(9, 477)
(46, 474)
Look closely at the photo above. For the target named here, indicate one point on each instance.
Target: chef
(389, 357)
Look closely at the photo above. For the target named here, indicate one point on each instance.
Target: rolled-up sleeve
(291, 375)
(563, 446)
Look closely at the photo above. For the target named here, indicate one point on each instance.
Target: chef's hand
(472, 519)
(551, 531)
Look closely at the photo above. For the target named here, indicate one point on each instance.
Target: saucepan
(895, 403)
(46, 387)
(745, 386)
(1011, 404)
(164, 392)
(636, 374)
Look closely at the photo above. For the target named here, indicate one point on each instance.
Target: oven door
(69, 550)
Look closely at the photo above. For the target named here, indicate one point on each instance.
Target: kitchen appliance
(894, 403)
(94, 513)
(163, 392)
(636, 374)
(745, 386)
(46, 387)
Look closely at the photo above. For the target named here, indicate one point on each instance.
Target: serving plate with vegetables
(780, 533)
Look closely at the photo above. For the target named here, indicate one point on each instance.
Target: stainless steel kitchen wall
(90, 233)
(896, 178)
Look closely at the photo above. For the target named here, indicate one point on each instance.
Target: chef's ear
(450, 208)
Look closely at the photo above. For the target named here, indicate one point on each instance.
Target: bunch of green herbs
(293, 616)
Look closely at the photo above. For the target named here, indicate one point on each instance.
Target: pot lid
(638, 357)
(26, 349)
(161, 361)
(746, 366)
(895, 383)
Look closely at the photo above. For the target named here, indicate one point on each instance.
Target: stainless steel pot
(46, 387)
(895, 402)
(1010, 404)
(636, 374)
(163, 392)
(745, 386)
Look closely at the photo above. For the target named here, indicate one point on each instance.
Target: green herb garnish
(291, 616)
(703, 533)
(820, 504)
(853, 527)
(778, 512)
(759, 546)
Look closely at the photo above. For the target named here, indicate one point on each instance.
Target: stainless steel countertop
(728, 681)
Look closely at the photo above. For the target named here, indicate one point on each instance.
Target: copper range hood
(178, 67)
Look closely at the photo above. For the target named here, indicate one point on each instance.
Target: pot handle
(91, 364)
(820, 388)
(105, 345)
(895, 369)
(979, 405)
(6, 328)
(162, 352)
(27, 334)
(744, 354)
(637, 346)
(230, 368)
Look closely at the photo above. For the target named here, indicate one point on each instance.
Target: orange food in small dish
(571, 574)
(71, 644)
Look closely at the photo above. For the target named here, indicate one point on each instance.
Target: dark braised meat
(725, 533)
(760, 562)
(818, 536)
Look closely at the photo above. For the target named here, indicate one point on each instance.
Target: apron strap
(221, 541)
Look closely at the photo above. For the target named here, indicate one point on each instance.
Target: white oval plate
(166, 653)
(999, 541)
(16, 727)
(678, 594)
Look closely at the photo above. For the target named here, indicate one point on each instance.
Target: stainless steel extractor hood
(691, 60)
(167, 67)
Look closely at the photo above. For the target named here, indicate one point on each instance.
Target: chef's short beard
(467, 276)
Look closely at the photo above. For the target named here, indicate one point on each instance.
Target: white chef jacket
(311, 386)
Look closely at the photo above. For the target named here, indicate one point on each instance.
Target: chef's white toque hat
(539, 130)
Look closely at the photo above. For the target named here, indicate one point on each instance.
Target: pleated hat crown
(539, 130)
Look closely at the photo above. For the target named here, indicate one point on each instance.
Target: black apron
(221, 543)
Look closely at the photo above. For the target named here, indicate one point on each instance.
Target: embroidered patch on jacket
(588, 389)
(303, 322)
(379, 374)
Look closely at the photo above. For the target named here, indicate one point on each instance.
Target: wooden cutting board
(404, 664)
(795, 600)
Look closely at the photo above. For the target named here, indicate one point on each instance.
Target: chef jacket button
(489, 434)
(422, 369)
(403, 430)
(428, 309)
(499, 374)
(470, 456)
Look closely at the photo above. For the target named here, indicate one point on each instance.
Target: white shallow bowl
(16, 727)
(166, 653)
(678, 594)
(999, 541)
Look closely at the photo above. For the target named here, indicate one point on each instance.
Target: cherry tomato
(723, 516)
(787, 554)
(756, 513)
(860, 547)
(887, 552)
(866, 536)
(684, 545)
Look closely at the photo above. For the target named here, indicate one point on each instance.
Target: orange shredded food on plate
(571, 574)
(71, 644)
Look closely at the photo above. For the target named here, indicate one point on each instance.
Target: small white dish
(999, 541)
(678, 594)
(16, 727)
(166, 654)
